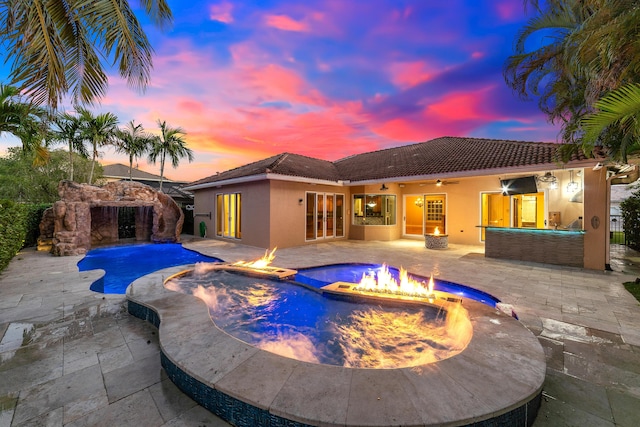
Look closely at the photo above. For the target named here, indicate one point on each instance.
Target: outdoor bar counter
(560, 247)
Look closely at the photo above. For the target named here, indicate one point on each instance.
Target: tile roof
(446, 155)
(283, 164)
(118, 170)
(169, 187)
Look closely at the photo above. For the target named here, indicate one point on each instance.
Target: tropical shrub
(630, 209)
(19, 228)
(33, 217)
(13, 228)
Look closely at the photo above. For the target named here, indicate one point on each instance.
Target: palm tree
(619, 109)
(133, 141)
(169, 143)
(56, 46)
(591, 49)
(28, 122)
(100, 130)
(69, 129)
(545, 73)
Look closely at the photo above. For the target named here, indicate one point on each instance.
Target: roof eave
(479, 172)
(262, 177)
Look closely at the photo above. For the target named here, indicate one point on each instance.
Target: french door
(324, 216)
(424, 214)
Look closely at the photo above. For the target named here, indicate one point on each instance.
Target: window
(374, 209)
(435, 210)
(228, 215)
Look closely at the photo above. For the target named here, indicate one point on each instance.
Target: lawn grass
(633, 288)
(617, 237)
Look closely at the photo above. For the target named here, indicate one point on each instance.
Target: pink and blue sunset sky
(326, 79)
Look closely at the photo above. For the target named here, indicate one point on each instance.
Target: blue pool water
(297, 322)
(318, 277)
(124, 264)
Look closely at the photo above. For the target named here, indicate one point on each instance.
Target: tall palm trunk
(130, 166)
(161, 171)
(70, 160)
(93, 164)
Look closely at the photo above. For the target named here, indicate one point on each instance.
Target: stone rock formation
(87, 216)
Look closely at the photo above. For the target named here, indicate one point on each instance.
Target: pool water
(126, 263)
(298, 322)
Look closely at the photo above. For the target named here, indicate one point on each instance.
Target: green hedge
(630, 209)
(19, 227)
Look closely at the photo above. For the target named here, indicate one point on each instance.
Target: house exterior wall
(273, 215)
(376, 232)
(288, 214)
(596, 219)
(255, 213)
(463, 204)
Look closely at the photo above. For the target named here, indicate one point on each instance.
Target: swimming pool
(124, 264)
(304, 324)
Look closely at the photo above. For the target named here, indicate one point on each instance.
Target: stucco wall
(287, 214)
(255, 211)
(596, 219)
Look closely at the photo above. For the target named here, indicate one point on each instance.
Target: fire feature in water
(263, 262)
(260, 267)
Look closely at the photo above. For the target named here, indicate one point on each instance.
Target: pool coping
(497, 378)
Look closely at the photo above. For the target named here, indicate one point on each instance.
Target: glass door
(425, 212)
(324, 216)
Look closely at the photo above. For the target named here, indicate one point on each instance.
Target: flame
(436, 232)
(260, 263)
(384, 282)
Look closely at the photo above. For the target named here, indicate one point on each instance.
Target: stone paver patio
(69, 356)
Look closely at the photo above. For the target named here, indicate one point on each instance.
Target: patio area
(69, 356)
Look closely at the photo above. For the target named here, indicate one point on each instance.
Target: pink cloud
(462, 107)
(508, 10)
(453, 114)
(285, 23)
(408, 74)
(221, 12)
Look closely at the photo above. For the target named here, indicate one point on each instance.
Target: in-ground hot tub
(496, 378)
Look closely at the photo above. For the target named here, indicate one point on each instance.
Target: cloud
(285, 23)
(329, 79)
(222, 12)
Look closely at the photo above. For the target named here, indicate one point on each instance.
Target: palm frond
(621, 106)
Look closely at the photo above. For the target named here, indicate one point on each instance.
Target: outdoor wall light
(438, 183)
(384, 187)
(300, 201)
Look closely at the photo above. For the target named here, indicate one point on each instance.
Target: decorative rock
(88, 215)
